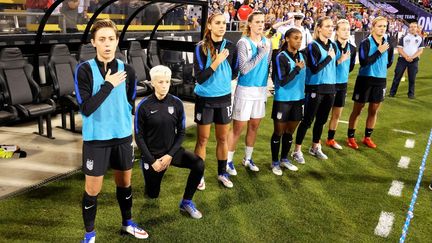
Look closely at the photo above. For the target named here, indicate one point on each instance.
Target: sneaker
(298, 157)
(276, 168)
(224, 178)
(133, 229)
(351, 142)
(333, 144)
(89, 237)
(368, 142)
(411, 97)
(201, 185)
(231, 169)
(287, 164)
(249, 163)
(189, 207)
(317, 152)
(430, 186)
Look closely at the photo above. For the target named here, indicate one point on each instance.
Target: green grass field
(338, 200)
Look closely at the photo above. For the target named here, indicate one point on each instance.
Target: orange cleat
(368, 142)
(351, 142)
(333, 144)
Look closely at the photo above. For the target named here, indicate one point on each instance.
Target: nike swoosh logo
(127, 198)
(85, 207)
(152, 112)
(275, 141)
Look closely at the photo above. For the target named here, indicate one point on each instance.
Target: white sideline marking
(409, 143)
(385, 224)
(404, 131)
(404, 162)
(345, 122)
(396, 188)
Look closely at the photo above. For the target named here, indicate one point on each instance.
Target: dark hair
(103, 23)
(207, 43)
(287, 35)
(247, 29)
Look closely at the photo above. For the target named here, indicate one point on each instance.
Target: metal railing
(16, 23)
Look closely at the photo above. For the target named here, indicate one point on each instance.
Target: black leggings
(182, 159)
(316, 106)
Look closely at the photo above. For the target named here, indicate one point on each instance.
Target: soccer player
(289, 77)
(250, 97)
(105, 90)
(376, 55)
(320, 88)
(214, 67)
(159, 132)
(410, 48)
(345, 56)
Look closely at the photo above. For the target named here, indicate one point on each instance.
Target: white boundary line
(396, 188)
(404, 131)
(404, 162)
(409, 143)
(385, 224)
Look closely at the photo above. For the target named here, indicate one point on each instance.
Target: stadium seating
(137, 58)
(22, 91)
(61, 68)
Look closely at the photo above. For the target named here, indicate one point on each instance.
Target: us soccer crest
(171, 109)
(279, 115)
(89, 164)
(313, 95)
(198, 116)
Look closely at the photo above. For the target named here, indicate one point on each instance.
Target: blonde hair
(247, 30)
(159, 71)
(103, 23)
(339, 22)
(319, 24)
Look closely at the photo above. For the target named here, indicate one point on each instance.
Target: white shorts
(244, 110)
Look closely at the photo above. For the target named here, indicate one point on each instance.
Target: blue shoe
(189, 207)
(132, 228)
(89, 237)
(231, 169)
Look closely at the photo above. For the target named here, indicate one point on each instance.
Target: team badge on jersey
(279, 115)
(198, 116)
(357, 96)
(313, 95)
(89, 164)
(171, 109)
(146, 166)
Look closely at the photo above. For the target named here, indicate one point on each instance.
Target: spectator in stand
(244, 11)
(36, 6)
(70, 11)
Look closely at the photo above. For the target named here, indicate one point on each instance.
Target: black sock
(222, 167)
(124, 198)
(331, 134)
(351, 133)
(368, 132)
(274, 146)
(89, 206)
(286, 145)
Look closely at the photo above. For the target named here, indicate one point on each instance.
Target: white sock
(248, 152)
(230, 156)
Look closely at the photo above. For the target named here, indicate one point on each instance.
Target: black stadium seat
(137, 59)
(61, 67)
(87, 52)
(22, 91)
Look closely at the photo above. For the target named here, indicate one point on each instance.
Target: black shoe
(411, 97)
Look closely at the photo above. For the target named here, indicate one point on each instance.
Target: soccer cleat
(201, 186)
(351, 142)
(133, 229)
(224, 179)
(189, 207)
(275, 166)
(231, 169)
(298, 157)
(333, 144)
(287, 164)
(249, 163)
(89, 237)
(368, 142)
(317, 152)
